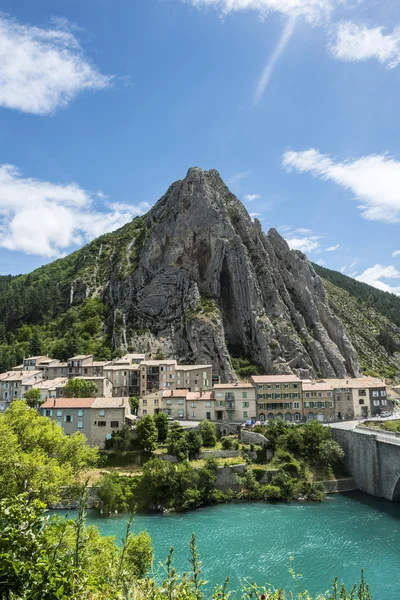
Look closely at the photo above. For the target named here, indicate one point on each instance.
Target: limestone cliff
(207, 281)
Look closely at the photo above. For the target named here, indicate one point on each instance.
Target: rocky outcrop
(205, 281)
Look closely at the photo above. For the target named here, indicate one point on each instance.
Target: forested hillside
(384, 303)
(371, 318)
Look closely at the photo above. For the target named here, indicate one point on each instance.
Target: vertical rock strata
(208, 282)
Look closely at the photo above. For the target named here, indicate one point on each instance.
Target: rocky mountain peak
(209, 283)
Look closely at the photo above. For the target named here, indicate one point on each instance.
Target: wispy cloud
(251, 197)
(314, 11)
(43, 69)
(396, 253)
(253, 215)
(374, 275)
(237, 178)
(354, 42)
(374, 180)
(43, 218)
(332, 248)
(272, 61)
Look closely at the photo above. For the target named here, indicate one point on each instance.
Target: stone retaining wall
(220, 454)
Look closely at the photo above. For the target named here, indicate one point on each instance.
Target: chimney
(54, 403)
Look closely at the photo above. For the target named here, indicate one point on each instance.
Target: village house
(318, 401)
(96, 418)
(278, 397)
(235, 402)
(358, 398)
(14, 384)
(51, 388)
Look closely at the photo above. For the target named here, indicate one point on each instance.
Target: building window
(307, 404)
(144, 413)
(180, 402)
(68, 418)
(329, 394)
(277, 386)
(101, 423)
(101, 412)
(288, 405)
(144, 402)
(286, 386)
(376, 402)
(278, 396)
(80, 424)
(319, 394)
(295, 386)
(244, 394)
(193, 404)
(383, 393)
(286, 396)
(80, 413)
(114, 424)
(59, 423)
(245, 414)
(194, 415)
(59, 413)
(108, 436)
(296, 405)
(297, 416)
(361, 401)
(362, 392)
(245, 404)
(208, 404)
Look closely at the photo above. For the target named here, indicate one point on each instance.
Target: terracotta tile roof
(192, 367)
(241, 385)
(111, 403)
(316, 386)
(156, 363)
(356, 382)
(175, 393)
(275, 379)
(50, 384)
(80, 356)
(200, 397)
(69, 403)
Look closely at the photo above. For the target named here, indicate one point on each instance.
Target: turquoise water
(255, 541)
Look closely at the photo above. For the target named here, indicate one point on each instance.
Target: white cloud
(314, 11)
(373, 179)
(272, 61)
(302, 230)
(253, 215)
(396, 253)
(332, 248)
(374, 275)
(357, 42)
(251, 197)
(42, 69)
(305, 244)
(320, 262)
(43, 218)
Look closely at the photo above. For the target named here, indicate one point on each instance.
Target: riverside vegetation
(44, 558)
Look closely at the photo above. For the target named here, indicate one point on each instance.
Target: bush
(258, 473)
(226, 443)
(272, 492)
(208, 432)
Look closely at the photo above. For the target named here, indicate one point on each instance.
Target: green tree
(147, 433)
(32, 397)
(194, 442)
(161, 422)
(208, 432)
(37, 457)
(177, 442)
(36, 343)
(134, 404)
(80, 388)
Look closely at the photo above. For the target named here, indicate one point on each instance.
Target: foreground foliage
(36, 456)
(60, 559)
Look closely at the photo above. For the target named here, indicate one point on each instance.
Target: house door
(219, 415)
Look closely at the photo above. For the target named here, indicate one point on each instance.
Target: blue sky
(295, 102)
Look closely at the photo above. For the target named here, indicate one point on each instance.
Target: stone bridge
(373, 459)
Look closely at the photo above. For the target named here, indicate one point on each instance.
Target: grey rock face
(209, 281)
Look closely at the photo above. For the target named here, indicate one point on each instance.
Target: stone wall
(374, 463)
(219, 454)
(226, 477)
(334, 486)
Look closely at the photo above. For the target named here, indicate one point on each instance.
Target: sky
(104, 103)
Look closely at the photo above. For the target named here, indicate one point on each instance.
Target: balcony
(229, 406)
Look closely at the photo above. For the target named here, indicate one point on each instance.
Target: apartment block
(14, 384)
(34, 363)
(235, 402)
(318, 401)
(96, 418)
(358, 398)
(194, 377)
(55, 369)
(278, 397)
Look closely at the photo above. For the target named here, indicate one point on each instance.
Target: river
(256, 540)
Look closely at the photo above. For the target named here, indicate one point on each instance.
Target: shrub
(271, 492)
(226, 443)
(208, 432)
